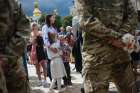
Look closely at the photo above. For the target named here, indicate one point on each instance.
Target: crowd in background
(51, 50)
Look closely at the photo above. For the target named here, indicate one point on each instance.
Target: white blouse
(45, 30)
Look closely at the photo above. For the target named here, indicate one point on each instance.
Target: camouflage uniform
(104, 23)
(14, 29)
(3, 88)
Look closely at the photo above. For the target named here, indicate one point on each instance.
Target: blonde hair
(68, 28)
(34, 24)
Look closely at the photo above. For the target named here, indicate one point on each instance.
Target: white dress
(57, 66)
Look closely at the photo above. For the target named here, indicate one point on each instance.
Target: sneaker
(70, 83)
(46, 85)
(82, 90)
(44, 82)
(39, 83)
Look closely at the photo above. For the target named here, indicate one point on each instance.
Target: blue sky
(47, 6)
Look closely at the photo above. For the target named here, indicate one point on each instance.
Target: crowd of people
(50, 51)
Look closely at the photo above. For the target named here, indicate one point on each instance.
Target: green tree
(36, 4)
(42, 19)
(58, 21)
(67, 21)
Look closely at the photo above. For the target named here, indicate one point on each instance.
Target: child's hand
(53, 50)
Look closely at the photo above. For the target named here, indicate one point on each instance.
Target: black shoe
(79, 71)
(55, 88)
(62, 86)
(70, 83)
(65, 83)
(82, 90)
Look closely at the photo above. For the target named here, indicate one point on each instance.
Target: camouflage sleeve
(4, 17)
(130, 22)
(99, 29)
(22, 27)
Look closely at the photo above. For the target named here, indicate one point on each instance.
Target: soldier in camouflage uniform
(14, 30)
(3, 88)
(104, 23)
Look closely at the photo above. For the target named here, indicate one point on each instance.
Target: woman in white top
(49, 27)
(55, 67)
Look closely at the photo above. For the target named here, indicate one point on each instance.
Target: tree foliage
(67, 21)
(42, 19)
(58, 21)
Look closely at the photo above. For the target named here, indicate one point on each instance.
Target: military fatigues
(103, 22)
(3, 88)
(14, 29)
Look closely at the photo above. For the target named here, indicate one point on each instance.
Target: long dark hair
(48, 22)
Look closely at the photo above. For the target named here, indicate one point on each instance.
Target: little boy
(66, 50)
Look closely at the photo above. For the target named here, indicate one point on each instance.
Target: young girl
(57, 66)
(38, 54)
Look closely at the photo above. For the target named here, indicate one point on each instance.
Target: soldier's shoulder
(4, 2)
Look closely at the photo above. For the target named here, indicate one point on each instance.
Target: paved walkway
(76, 80)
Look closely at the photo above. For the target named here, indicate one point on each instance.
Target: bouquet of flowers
(130, 43)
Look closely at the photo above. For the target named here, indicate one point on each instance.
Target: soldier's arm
(22, 28)
(98, 29)
(130, 21)
(4, 17)
(101, 31)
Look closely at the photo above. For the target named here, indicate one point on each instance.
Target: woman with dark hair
(49, 27)
(50, 21)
